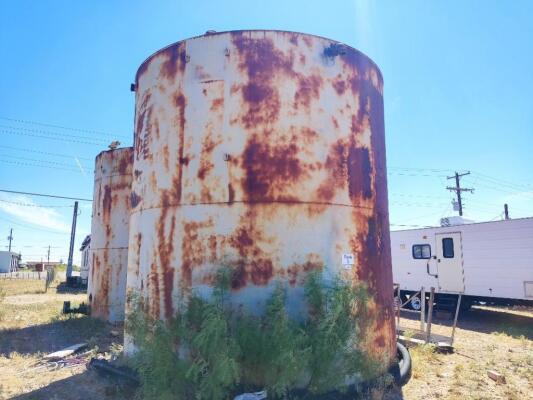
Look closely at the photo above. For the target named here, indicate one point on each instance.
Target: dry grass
(487, 339)
(11, 287)
(31, 326)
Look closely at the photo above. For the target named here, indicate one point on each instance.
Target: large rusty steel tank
(109, 234)
(264, 152)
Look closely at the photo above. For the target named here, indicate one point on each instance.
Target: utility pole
(72, 237)
(10, 238)
(458, 189)
(48, 261)
(506, 211)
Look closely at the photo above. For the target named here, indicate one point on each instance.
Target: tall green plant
(163, 373)
(273, 347)
(208, 350)
(333, 333)
(213, 349)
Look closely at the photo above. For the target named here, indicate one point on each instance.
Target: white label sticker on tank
(347, 260)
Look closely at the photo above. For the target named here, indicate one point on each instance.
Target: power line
(51, 133)
(414, 174)
(32, 205)
(38, 165)
(62, 127)
(420, 169)
(28, 227)
(52, 138)
(412, 226)
(45, 195)
(504, 182)
(498, 189)
(417, 196)
(41, 247)
(38, 160)
(396, 203)
(45, 153)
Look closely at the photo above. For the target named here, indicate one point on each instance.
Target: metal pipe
(422, 309)
(430, 314)
(456, 316)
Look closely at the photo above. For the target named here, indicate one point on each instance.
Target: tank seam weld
(255, 202)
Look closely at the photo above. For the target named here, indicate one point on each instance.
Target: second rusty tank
(261, 151)
(109, 234)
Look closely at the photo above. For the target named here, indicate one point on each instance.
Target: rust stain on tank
(165, 250)
(166, 156)
(217, 104)
(309, 88)
(336, 168)
(180, 102)
(106, 204)
(142, 126)
(340, 86)
(155, 291)
(135, 199)
(359, 173)
(193, 250)
(124, 164)
(269, 168)
(231, 193)
(297, 273)
(176, 61)
(260, 61)
(206, 156)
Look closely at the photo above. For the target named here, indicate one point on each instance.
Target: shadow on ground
(87, 386)
(53, 336)
(91, 386)
(486, 320)
(64, 288)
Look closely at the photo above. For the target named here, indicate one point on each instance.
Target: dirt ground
(487, 338)
(31, 326)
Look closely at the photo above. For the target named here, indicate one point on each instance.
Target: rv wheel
(416, 304)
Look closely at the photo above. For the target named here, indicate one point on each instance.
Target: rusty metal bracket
(335, 49)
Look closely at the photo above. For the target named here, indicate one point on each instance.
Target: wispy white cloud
(23, 208)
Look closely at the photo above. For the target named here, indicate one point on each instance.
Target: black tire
(404, 364)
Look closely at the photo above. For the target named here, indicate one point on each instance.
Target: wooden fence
(24, 275)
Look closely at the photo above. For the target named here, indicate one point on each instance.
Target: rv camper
(488, 262)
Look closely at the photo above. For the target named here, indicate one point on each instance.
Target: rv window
(447, 248)
(421, 251)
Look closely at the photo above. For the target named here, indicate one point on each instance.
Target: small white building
(85, 258)
(9, 261)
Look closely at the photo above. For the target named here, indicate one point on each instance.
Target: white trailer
(489, 262)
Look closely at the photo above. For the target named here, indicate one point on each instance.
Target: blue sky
(458, 87)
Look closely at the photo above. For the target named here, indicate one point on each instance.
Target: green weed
(210, 351)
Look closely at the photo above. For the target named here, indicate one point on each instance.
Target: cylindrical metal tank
(262, 151)
(109, 234)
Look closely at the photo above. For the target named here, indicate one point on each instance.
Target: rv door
(450, 262)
